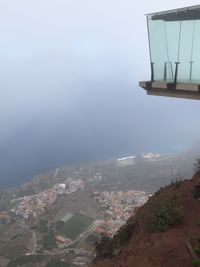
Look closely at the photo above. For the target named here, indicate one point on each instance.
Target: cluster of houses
(118, 207)
(62, 242)
(36, 204)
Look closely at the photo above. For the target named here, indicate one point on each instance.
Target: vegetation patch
(48, 241)
(74, 226)
(22, 260)
(109, 247)
(43, 226)
(197, 250)
(92, 238)
(12, 250)
(196, 262)
(161, 212)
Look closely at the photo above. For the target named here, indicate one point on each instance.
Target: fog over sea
(118, 120)
(69, 73)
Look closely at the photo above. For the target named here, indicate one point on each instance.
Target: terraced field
(77, 224)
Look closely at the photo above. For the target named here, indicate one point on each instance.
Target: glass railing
(175, 50)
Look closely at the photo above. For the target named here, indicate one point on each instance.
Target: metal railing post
(152, 72)
(176, 73)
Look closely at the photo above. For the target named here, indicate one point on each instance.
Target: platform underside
(181, 90)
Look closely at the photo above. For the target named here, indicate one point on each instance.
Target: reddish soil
(165, 249)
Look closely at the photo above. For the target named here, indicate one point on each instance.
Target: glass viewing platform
(174, 45)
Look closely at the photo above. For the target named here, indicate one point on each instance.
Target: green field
(74, 226)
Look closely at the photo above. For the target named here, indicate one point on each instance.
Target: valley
(58, 216)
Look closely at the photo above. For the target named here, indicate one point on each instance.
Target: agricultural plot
(76, 225)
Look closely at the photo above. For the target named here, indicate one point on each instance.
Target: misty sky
(69, 72)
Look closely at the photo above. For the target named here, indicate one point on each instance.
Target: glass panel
(172, 34)
(157, 47)
(185, 51)
(166, 50)
(195, 76)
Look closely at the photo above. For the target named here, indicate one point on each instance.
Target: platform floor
(162, 88)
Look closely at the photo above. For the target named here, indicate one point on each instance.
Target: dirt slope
(170, 247)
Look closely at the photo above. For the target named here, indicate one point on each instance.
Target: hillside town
(36, 204)
(118, 207)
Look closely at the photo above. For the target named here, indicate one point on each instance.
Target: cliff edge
(164, 232)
